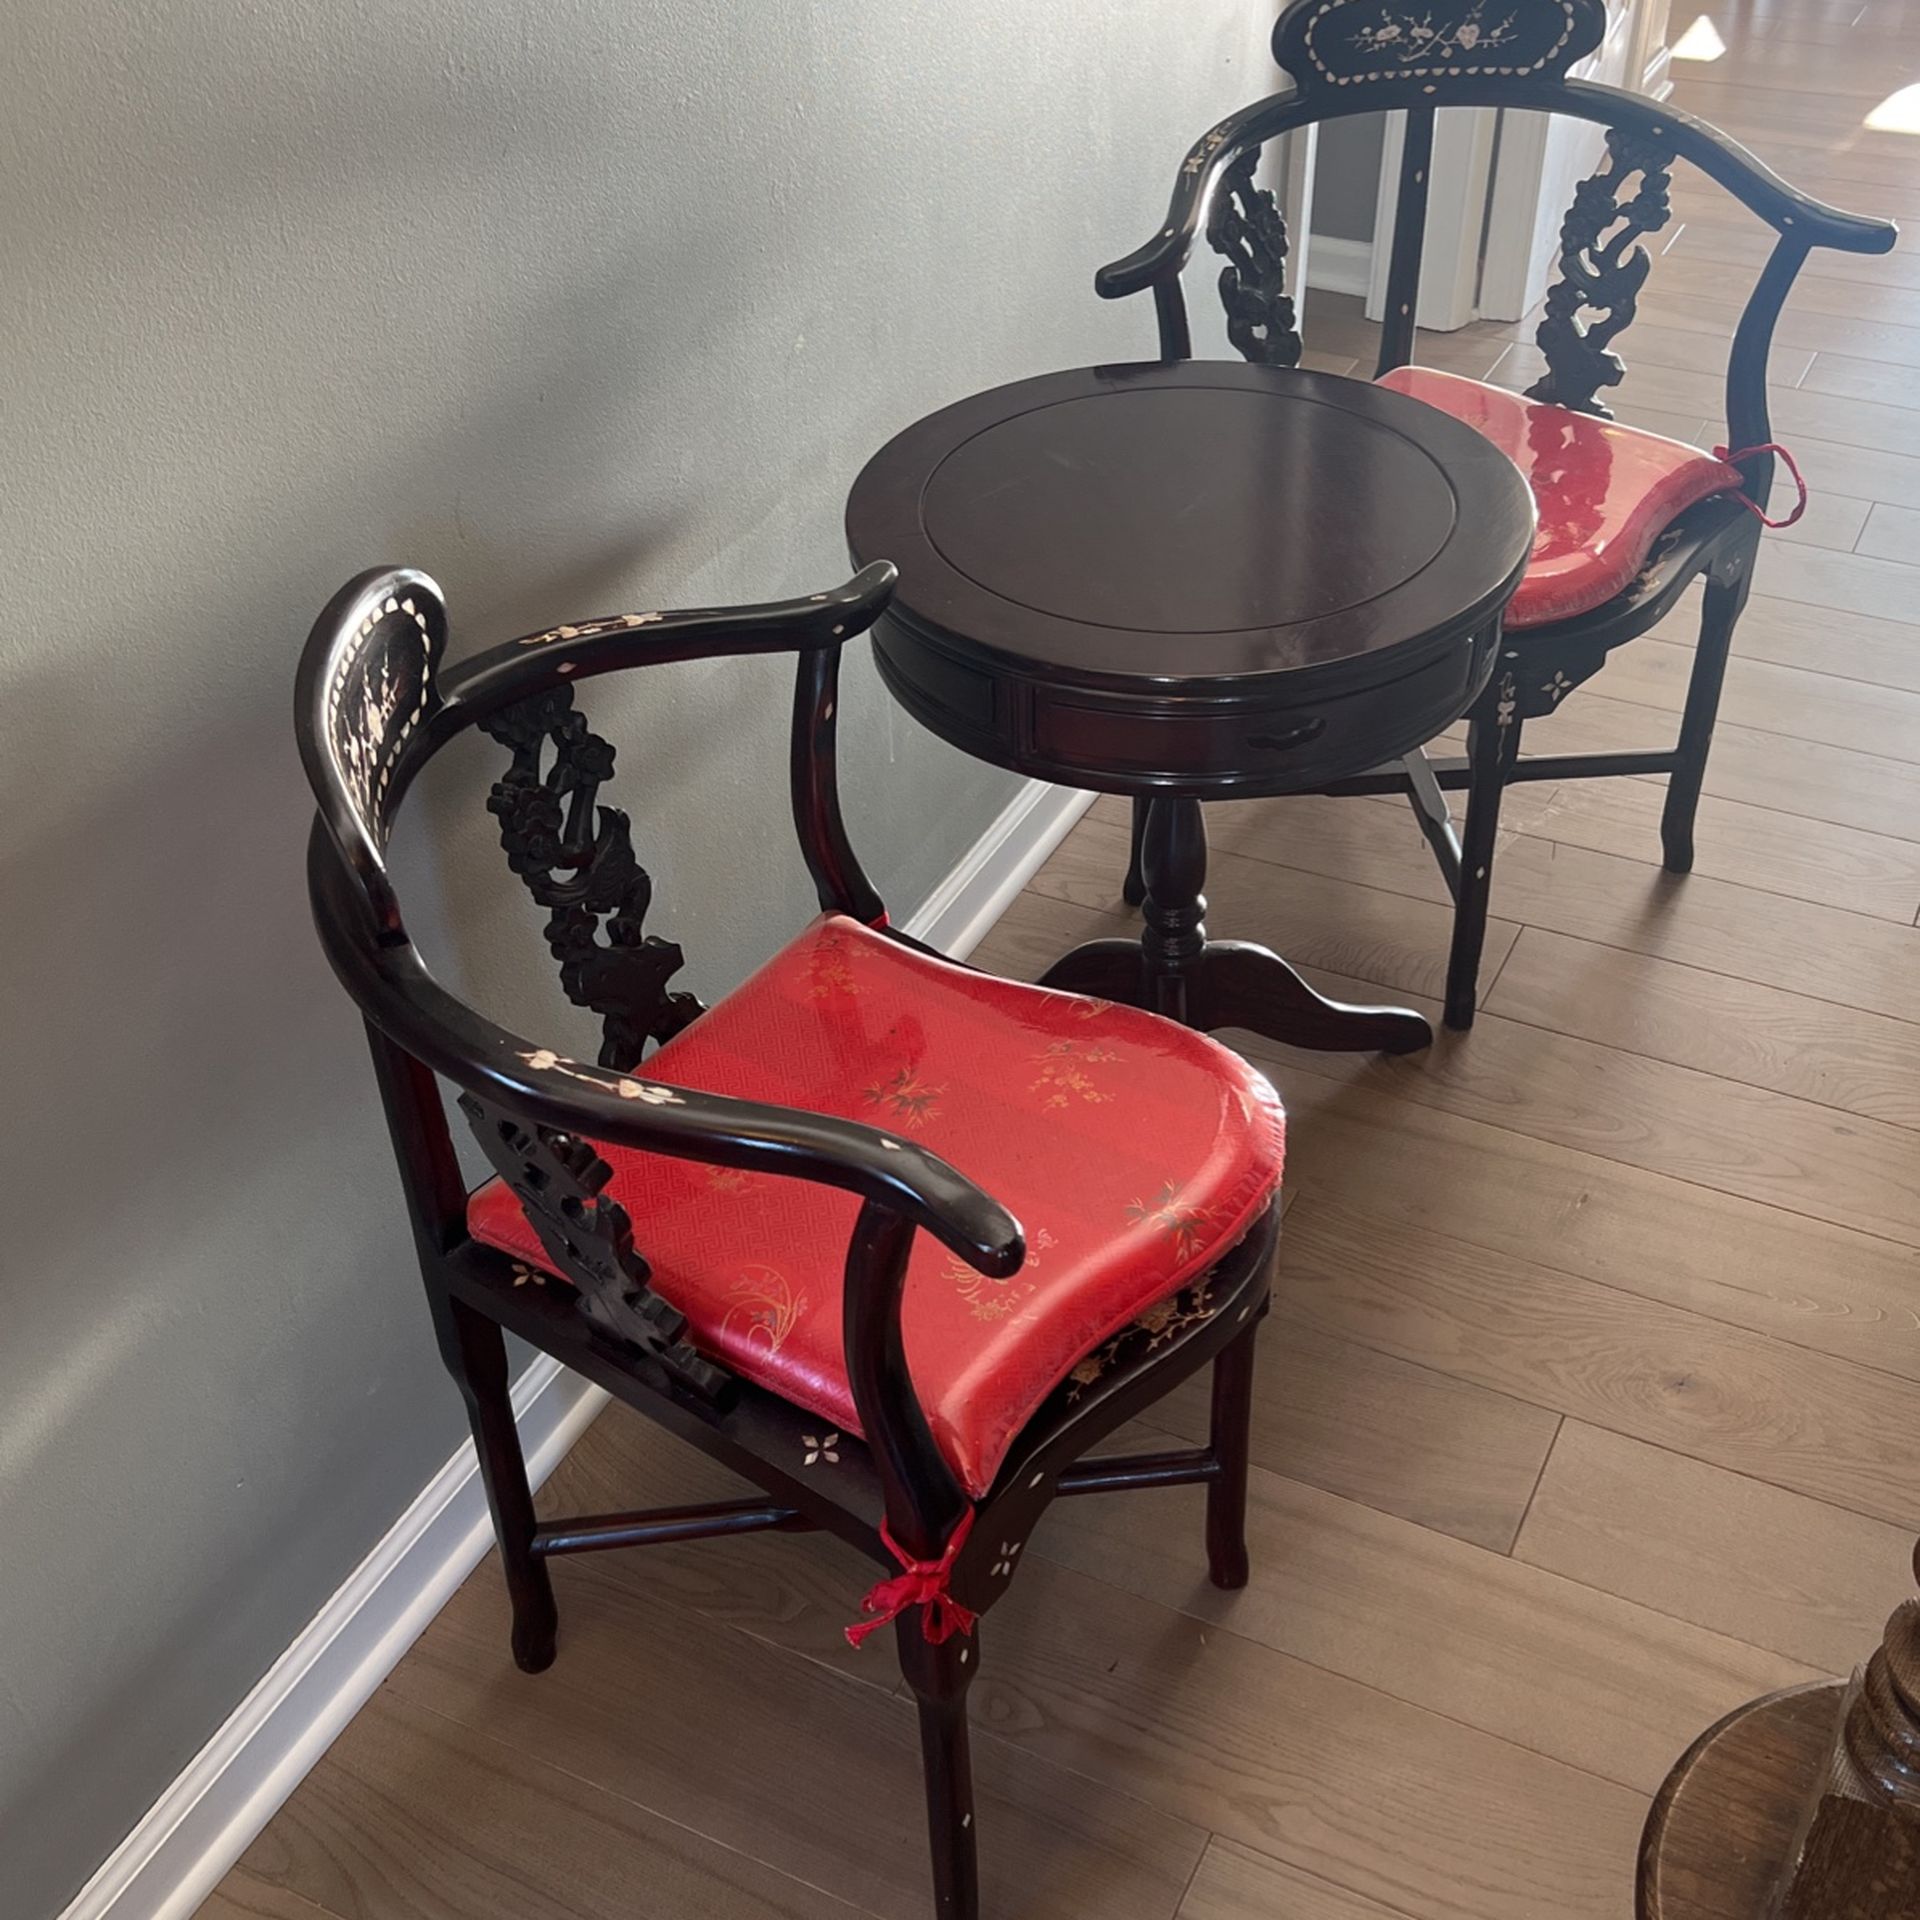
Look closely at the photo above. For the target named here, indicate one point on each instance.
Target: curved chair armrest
(583, 648)
(1166, 253)
(403, 999)
(1741, 171)
(1161, 259)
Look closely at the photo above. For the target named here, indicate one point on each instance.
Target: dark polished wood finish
(1184, 582)
(1723, 1825)
(1804, 1805)
(373, 706)
(1348, 57)
(1205, 579)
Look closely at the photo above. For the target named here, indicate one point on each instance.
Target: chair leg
(940, 1677)
(1718, 617)
(1230, 1439)
(1493, 745)
(1133, 889)
(476, 1356)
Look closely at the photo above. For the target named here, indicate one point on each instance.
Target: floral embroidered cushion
(1134, 1152)
(1604, 491)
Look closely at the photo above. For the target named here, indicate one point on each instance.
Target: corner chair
(1627, 519)
(896, 1240)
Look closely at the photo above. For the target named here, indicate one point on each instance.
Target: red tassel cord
(923, 1584)
(1735, 455)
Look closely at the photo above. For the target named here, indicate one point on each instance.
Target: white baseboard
(195, 1831)
(209, 1816)
(1340, 266)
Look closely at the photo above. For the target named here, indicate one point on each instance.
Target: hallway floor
(1591, 1404)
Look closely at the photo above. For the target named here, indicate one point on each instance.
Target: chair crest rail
(1369, 43)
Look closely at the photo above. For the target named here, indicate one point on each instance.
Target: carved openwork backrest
(1247, 227)
(575, 857)
(1347, 57)
(1602, 267)
(373, 705)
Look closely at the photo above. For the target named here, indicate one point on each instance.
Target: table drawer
(1278, 750)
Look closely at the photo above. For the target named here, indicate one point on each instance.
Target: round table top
(1197, 521)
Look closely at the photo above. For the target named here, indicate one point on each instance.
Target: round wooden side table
(1186, 581)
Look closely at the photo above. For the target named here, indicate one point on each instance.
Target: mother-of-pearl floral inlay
(545, 1060)
(365, 721)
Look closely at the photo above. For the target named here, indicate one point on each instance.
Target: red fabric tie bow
(1734, 456)
(924, 1585)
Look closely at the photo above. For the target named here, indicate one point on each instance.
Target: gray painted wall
(1346, 176)
(580, 305)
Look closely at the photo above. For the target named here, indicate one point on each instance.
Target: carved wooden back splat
(559, 1181)
(576, 858)
(1248, 228)
(1602, 268)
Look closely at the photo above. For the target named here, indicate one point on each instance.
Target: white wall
(579, 305)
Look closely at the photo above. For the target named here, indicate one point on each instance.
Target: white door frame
(1456, 217)
(1501, 182)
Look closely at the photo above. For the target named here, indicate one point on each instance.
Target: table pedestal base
(1175, 970)
(1721, 1833)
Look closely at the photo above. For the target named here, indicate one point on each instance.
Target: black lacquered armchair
(1628, 519)
(896, 1240)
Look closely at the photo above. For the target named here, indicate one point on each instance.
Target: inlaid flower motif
(613, 623)
(1204, 152)
(652, 1096)
(1184, 1225)
(1406, 39)
(765, 1311)
(545, 1060)
(1157, 1317)
(911, 1100)
(1162, 1322)
(1091, 1368)
(825, 1448)
(526, 1276)
(1167, 1319)
(1003, 1567)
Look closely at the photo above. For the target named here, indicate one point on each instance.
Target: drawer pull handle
(1294, 737)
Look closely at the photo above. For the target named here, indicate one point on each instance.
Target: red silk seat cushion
(1604, 491)
(1134, 1152)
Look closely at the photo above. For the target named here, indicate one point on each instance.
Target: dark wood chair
(1627, 519)
(793, 1232)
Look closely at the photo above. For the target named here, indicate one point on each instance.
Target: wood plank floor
(1591, 1405)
